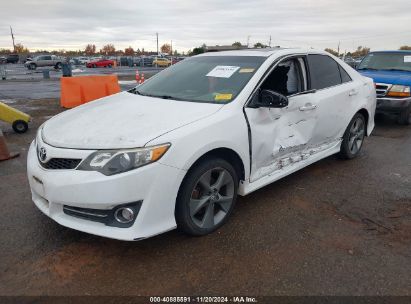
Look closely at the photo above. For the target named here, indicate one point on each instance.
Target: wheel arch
(228, 155)
(366, 115)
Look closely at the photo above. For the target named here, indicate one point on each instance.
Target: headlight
(399, 91)
(110, 162)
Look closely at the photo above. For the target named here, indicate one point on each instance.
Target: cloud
(57, 24)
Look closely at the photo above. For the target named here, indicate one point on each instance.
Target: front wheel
(405, 117)
(353, 137)
(206, 197)
(58, 66)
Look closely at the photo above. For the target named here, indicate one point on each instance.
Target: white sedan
(178, 149)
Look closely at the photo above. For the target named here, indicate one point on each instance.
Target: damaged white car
(177, 150)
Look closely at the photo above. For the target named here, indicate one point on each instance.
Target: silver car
(44, 61)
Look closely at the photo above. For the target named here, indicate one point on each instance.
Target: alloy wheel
(211, 198)
(357, 133)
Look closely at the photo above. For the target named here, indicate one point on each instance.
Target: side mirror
(270, 99)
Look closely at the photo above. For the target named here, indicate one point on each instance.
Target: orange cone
(142, 78)
(137, 76)
(4, 151)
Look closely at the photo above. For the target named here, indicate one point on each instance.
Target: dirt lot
(334, 228)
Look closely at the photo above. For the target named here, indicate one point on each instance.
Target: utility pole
(269, 44)
(338, 49)
(12, 37)
(248, 40)
(157, 44)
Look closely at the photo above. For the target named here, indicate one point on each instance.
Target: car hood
(123, 120)
(389, 77)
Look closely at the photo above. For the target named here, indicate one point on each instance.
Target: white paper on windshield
(223, 71)
(407, 58)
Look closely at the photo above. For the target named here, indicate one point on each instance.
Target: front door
(279, 137)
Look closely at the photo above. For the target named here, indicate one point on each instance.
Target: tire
(405, 117)
(58, 66)
(109, 66)
(33, 66)
(353, 138)
(93, 66)
(206, 197)
(20, 126)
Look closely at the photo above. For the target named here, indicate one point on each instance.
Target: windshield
(212, 79)
(386, 61)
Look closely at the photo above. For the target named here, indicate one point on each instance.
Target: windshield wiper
(401, 70)
(371, 69)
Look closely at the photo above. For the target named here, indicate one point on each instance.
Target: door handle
(308, 107)
(353, 92)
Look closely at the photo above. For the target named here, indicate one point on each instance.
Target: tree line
(110, 50)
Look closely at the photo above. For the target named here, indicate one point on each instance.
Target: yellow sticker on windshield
(246, 71)
(223, 97)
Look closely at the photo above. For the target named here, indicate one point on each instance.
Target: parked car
(161, 62)
(391, 71)
(143, 61)
(106, 63)
(83, 60)
(12, 58)
(44, 61)
(176, 150)
(3, 60)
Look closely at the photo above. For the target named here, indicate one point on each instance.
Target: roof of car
(393, 51)
(262, 52)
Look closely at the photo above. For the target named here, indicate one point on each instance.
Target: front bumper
(393, 105)
(156, 185)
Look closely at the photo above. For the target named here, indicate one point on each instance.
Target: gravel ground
(334, 228)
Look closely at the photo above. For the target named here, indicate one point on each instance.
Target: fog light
(124, 215)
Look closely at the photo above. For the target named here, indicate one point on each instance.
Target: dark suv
(12, 58)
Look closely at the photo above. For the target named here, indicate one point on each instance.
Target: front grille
(61, 163)
(382, 89)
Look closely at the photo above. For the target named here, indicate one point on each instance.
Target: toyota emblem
(42, 154)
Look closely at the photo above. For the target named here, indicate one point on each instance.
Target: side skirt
(247, 187)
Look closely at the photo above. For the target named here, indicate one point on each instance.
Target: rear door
(336, 95)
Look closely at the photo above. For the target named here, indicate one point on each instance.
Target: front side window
(285, 78)
(211, 79)
(324, 72)
(387, 61)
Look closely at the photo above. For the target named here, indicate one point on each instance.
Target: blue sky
(63, 24)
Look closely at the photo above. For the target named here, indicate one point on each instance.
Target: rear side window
(324, 72)
(344, 75)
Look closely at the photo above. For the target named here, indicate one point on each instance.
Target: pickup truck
(44, 61)
(391, 72)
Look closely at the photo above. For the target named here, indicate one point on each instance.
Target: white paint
(223, 71)
(283, 141)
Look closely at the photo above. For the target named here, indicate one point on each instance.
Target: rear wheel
(20, 126)
(405, 117)
(207, 197)
(109, 65)
(353, 137)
